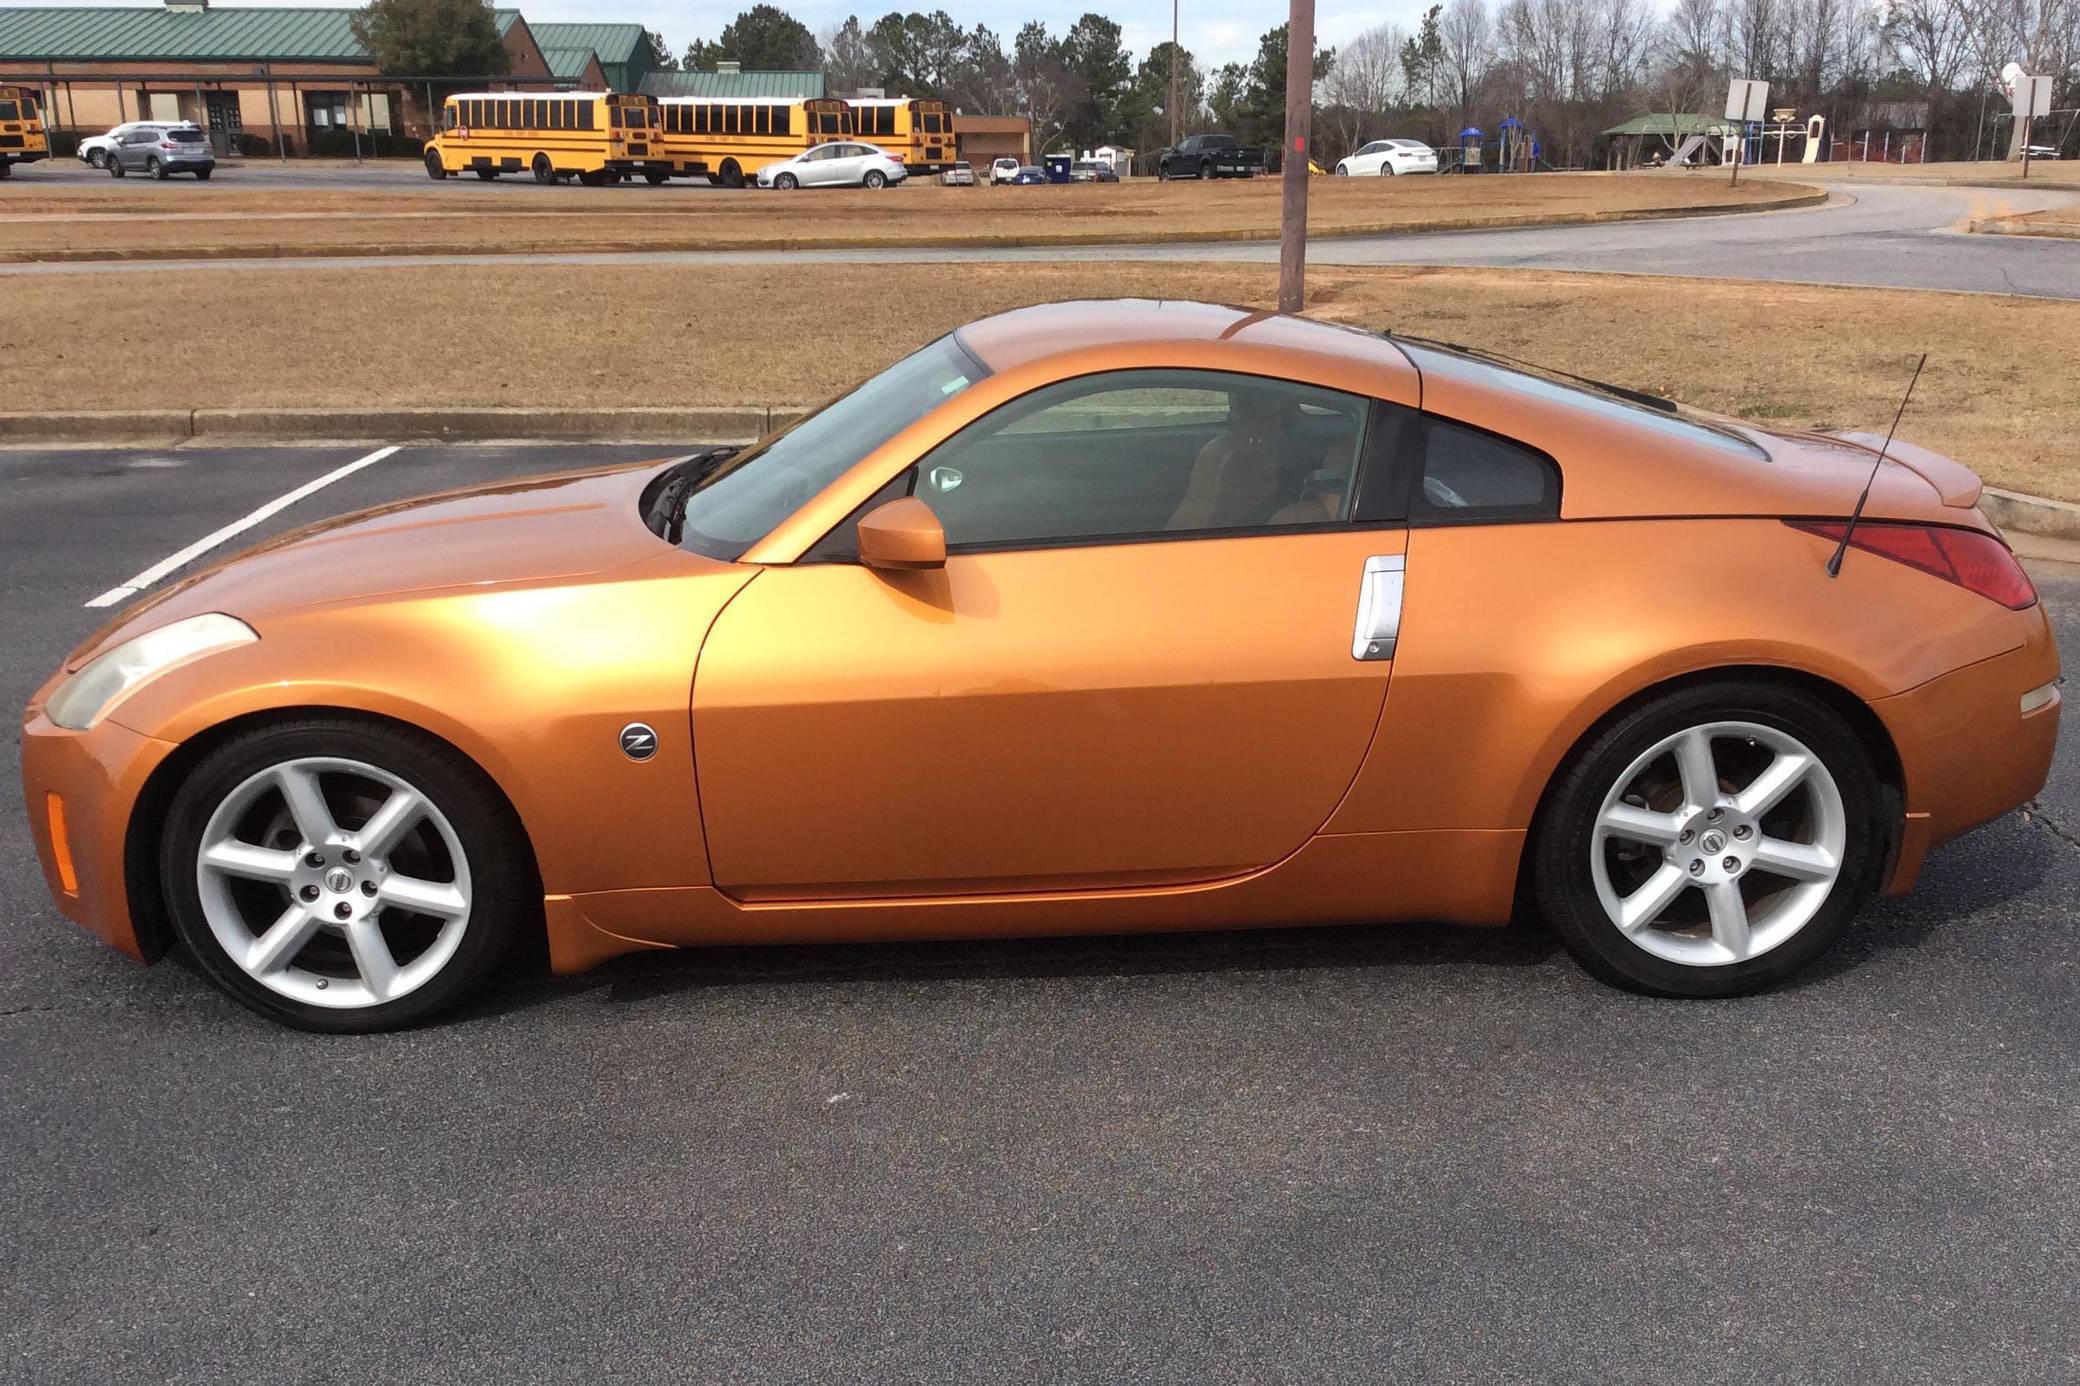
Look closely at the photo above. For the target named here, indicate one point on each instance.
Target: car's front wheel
(97, 158)
(1710, 842)
(115, 167)
(341, 875)
(786, 182)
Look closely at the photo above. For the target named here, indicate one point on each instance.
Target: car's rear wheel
(97, 158)
(873, 178)
(339, 875)
(155, 168)
(202, 174)
(731, 174)
(544, 171)
(1710, 842)
(434, 168)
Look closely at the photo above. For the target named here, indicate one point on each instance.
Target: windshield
(762, 486)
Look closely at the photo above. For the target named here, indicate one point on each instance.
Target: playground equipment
(1514, 150)
(1783, 126)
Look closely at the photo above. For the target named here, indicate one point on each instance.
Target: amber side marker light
(61, 842)
(1976, 562)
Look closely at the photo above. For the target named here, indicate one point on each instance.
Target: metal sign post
(2032, 99)
(1746, 102)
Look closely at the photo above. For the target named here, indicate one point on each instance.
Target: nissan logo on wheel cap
(638, 741)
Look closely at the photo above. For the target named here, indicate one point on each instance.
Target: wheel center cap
(339, 880)
(1712, 841)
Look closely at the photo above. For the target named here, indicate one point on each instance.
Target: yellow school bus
(22, 140)
(917, 131)
(594, 136)
(731, 138)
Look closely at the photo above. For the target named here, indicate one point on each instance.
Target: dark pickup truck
(1209, 156)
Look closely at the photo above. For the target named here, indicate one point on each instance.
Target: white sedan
(837, 164)
(1389, 158)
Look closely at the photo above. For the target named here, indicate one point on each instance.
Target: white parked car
(94, 149)
(1389, 158)
(1004, 170)
(960, 175)
(840, 163)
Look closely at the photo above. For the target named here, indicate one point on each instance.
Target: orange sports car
(1085, 618)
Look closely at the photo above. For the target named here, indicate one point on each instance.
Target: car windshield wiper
(667, 513)
(1624, 392)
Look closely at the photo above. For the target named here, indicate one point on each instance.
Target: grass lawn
(2055, 173)
(1786, 355)
(183, 218)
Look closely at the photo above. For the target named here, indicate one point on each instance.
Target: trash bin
(1058, 167)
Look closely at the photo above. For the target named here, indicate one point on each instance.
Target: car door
(1140, 665)
(817, 165)
(131, 148)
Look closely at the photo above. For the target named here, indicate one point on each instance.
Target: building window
(328, 109)
(375, 112)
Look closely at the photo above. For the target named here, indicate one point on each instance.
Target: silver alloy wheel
(1742, 815)
(323, 893)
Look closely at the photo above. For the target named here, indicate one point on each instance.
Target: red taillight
(1974, 561)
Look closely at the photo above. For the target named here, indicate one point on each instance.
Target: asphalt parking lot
(1326, 1155)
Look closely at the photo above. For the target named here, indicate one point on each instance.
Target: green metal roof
(567, 63)
(157, 34)
(1671, 125)
(615, 43)
(726, 84)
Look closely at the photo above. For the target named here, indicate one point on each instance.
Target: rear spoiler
(1958, 485)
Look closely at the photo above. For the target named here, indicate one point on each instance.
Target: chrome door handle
(1379, 608)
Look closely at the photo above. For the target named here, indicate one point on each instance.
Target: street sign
(1746, 100)
(2032, 97)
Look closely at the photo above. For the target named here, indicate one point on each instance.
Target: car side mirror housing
(903, 536)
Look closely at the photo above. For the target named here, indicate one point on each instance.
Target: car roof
(1011, 339)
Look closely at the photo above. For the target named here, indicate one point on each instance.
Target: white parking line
(231, 531)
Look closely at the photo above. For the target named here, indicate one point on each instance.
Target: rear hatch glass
(185, 136)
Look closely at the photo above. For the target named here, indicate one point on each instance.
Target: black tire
(156, 169)
(115, 167)
(731, 174)
(202, 174)
(593, 178)
(486, 174)
(434, 169)
(1564, 838)
(1206, 168)
(97, 158)
(543, 170)
(654, 178)
(786, 182)
(873, 178)
(505, 896)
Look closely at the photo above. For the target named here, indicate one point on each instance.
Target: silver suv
(160, 150)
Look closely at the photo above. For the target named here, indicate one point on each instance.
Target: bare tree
(1469, 51)
(1359, 89)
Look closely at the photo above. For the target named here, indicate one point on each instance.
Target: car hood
(544, 528)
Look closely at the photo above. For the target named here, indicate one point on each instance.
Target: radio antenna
(1834, 564)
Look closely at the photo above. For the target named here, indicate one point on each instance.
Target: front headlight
(86, 697)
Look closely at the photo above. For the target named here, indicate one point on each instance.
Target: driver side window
(1147, 453)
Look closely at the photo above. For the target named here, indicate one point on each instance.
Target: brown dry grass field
(1782, 354)
(187, 219)
(2064, 173)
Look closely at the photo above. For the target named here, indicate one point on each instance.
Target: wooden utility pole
(1292, 222)
(1175, 114)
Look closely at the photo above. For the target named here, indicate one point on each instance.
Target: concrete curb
(1805, 196)
(463, 424)
(2053, 519)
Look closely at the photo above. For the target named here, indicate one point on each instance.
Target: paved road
(1901, 236)
(1409, 1154)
